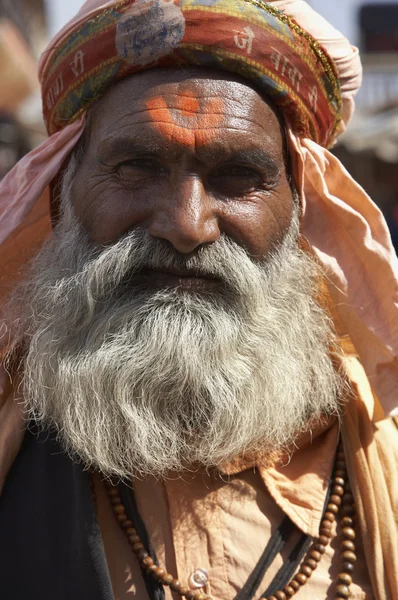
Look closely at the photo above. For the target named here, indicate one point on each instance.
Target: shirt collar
(298, 483)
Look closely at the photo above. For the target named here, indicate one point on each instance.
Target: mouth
(184, 279)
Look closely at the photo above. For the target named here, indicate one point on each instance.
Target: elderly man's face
(187, 157)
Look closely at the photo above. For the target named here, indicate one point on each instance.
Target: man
(185, 359)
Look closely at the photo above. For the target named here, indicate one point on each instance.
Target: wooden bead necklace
(340, 504)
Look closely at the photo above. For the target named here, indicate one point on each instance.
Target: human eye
(140, 168)
(141, 163)
(236, 180)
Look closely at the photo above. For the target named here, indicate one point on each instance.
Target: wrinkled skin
(188, 155)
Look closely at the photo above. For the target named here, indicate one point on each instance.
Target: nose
(187, 218)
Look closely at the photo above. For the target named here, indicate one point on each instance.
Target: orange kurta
(223, 523)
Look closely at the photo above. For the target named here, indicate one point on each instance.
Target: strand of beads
(318, 548)
(147, 563)
(347, 524)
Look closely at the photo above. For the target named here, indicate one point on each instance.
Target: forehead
(186, 107)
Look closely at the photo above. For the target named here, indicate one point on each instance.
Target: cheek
(259, 225)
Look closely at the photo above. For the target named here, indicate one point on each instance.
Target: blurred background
(369, 148)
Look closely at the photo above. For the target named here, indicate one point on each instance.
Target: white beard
(144, 382)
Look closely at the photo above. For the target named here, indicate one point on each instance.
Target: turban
(311, 72)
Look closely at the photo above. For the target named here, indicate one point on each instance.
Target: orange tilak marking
(188, 106)
(187, 127)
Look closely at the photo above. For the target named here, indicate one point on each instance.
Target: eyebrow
(256, 157)
(121, 147)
